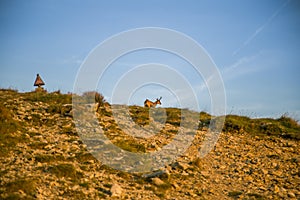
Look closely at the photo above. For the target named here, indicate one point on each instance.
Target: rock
(44, 161)
(116, 190)
(262, 188)
(183, 165)
(66, 110)
(291, 194)
(264, 171)
(157, 181)
(198, 163)
(205, 174)
(75, 187)
(276, 189)
(277, 173)
(175, 185)
(160, 173)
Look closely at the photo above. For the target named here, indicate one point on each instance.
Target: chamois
(150, 104)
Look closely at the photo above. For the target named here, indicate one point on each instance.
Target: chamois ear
(160, 98)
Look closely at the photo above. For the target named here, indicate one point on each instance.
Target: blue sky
(255, 45)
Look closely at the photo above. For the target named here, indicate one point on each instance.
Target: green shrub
(7, 123)
(173, 116)
(50, 98)
(235, 194)
(93, 97)
(54, 108)
(282, 127)
(26, 185)
(8, 128)
(65, 170)
(131, 146)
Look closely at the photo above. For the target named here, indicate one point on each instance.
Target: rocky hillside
(42, 156)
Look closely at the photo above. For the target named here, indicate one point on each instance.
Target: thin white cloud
(203, 86)
(260, 29)
(239, 65)
(73, 60)
(246, 65)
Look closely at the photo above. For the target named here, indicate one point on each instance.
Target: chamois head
(158, 101)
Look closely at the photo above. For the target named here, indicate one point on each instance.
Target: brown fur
(150, 104)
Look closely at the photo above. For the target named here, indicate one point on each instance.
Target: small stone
(74, 188)
(278, 151)
(264, 171)
(292, 195)
(262, 188)
(274, 164)
(159, 173)
(277, 173)
(183, 166)
(184, 173)
(91, 161)
(175, 185)
(276, 189)
(157, 181)
(116, 190)
(223, 167)
(48, 147)
(205, 174)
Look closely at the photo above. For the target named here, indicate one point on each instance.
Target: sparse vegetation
(9, 127)
(93, 97)
(235, 194)
(65, 170)
(50, 98)
(283, 127)
(139, 115)
(42, 155)
(131, 146)
(49, 158)
(7, 123)
(173, 116)
(256, 196)
(26, 185)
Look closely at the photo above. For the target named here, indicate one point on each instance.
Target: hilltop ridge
(43, 157)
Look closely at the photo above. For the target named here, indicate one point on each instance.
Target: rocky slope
(42, 157)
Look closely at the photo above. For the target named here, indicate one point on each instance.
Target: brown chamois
(150, 104)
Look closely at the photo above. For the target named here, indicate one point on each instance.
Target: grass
(84, 157)
(37, 145)
(235, 194)
(7, 123)
(10, 134)
(65, 170)
(50, 98)
(283, 127)
(56, 100)
(26, 185)
(131, 146)
(49, 158)
(256, 196)
(139, 115)
(161, 190)
(173, 116)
